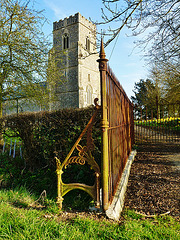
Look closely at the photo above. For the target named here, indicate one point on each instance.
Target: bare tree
(159, 17)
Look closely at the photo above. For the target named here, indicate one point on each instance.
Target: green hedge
(45, 134)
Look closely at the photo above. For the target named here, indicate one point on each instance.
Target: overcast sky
(126, 62)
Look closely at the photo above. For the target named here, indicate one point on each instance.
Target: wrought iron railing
(117, 129)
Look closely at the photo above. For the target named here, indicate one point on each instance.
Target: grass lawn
(22, 217)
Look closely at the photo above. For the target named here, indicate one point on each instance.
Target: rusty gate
(117, 129)
(117, 137)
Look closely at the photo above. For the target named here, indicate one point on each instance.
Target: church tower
(74, 44)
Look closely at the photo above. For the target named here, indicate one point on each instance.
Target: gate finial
(102, 54)
(102, 60)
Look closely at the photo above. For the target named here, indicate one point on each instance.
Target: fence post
(104, 126)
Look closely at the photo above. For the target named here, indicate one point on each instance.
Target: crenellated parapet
(72, 20)
(66, 21)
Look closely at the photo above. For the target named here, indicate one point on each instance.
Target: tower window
(87, 44)
(65, 41)
(89, 94)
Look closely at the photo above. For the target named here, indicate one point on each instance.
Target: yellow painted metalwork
(104, 126)
(117, 133)
(84, 155)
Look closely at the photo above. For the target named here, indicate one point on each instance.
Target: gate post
(104, 126)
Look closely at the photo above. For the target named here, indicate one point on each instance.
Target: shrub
(45, 134)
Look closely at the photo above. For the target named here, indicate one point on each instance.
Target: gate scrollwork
(84, 156)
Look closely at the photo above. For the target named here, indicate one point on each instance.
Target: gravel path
(154, 182)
